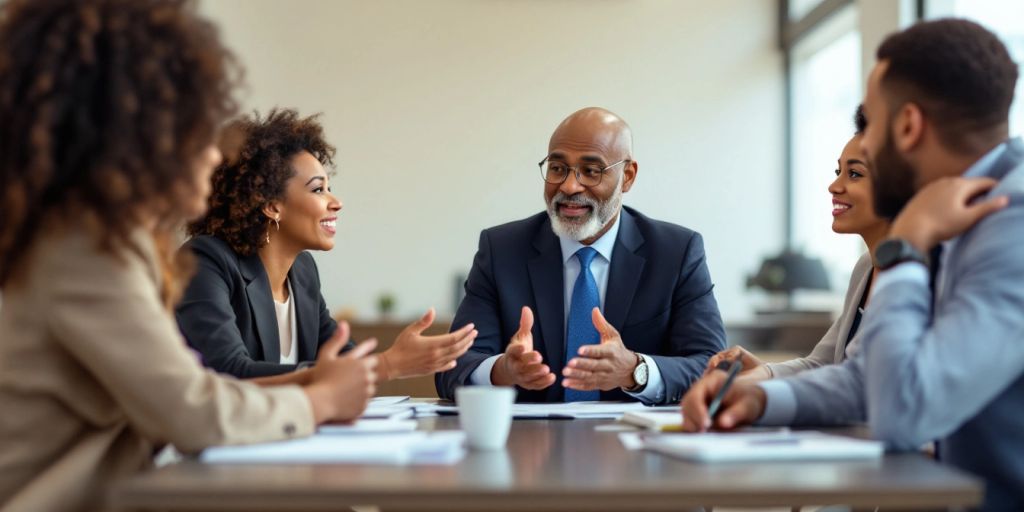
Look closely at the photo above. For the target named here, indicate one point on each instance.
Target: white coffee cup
(485, 413)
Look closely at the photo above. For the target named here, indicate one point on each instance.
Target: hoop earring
(277, 224)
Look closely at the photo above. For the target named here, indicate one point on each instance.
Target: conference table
(553, 465)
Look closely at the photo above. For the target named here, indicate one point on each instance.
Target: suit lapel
(546, 278)
(624, 274)
(850, 316)
(261, 301)
(306, 315)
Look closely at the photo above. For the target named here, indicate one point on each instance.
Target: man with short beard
(942, 347)
(589, 300)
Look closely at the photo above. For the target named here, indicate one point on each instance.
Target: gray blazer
(952, 372)
(227, 312)
(833, 349)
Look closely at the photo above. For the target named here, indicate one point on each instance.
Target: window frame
(790, 33)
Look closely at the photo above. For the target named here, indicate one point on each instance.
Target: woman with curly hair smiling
(254, 307)
(109, 111)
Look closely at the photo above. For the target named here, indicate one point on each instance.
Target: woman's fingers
(335, 343)
(362, 349)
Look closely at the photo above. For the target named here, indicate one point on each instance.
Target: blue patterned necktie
(581, 330)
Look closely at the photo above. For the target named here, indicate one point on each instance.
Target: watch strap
(893, 251)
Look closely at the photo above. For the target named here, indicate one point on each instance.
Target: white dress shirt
(599, 267)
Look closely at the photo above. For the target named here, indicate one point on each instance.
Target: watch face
(640, 375)
(893, 251)
(888, 252)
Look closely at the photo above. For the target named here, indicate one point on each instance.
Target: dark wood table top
(553, 465)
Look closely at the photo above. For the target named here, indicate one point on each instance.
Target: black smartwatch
(894, 251)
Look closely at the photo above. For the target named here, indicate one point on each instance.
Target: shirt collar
(603, 245)
(979, 168)
(985, 163)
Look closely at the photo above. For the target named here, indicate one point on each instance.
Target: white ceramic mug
(485, 413)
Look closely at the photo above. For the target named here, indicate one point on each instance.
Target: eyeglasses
(588, 175)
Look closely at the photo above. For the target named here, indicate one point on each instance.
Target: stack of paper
(388, 400)
(427, 409)
(444, 447)
(369, 427)
(762, 446)
(389, 408)
(562, 410)
(576, 410)
(656, 419)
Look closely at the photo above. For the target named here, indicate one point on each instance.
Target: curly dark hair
(958, 73)
(105, 106)
(257, 175)
(860, 123)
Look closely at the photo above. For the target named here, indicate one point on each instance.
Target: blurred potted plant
(386, 305)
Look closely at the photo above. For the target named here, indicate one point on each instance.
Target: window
(1006, 19)
(825, 84)
(798, 9)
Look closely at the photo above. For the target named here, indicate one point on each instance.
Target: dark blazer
(227, 313)
(659, 297)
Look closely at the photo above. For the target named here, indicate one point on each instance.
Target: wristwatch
(894, 251)
(639, 375)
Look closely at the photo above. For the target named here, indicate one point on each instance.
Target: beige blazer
(94, 376)
(833, 349)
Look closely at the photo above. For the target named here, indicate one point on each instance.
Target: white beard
(598, 217)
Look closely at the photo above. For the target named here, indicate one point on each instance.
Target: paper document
(762, 446)
(654, 420)
(576, 410)
(386, 411)
(564, 410)
(631, 441)
(388, 400)
(444, 447)
(370, 427)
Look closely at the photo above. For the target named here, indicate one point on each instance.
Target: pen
(717, 402)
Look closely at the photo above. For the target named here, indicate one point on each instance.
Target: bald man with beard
(589, 300)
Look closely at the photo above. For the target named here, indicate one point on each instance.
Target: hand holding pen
(719, 400)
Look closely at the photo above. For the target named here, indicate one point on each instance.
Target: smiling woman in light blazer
(110, 109)
(852, 212)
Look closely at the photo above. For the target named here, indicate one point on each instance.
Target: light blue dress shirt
(781, 405)
(655, 389)
(945, 364)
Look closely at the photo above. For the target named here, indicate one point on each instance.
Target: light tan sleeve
(820, 355)
(824, 352)
(107, 315)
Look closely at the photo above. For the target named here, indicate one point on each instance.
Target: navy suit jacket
(227, 312)
(659, 298)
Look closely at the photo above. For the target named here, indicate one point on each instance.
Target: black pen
(734, 368)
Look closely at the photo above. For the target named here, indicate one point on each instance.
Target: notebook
(762, 446)
(444, 447)
(654, 420)
(562, 410)
(369, 427)
(389, 411)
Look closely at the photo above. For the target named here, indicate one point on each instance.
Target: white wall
(878, 19)
(440, 110)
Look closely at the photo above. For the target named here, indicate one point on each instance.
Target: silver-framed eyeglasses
(588, 175)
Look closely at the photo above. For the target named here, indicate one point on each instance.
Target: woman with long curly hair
(109, 111)
(254, 307)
